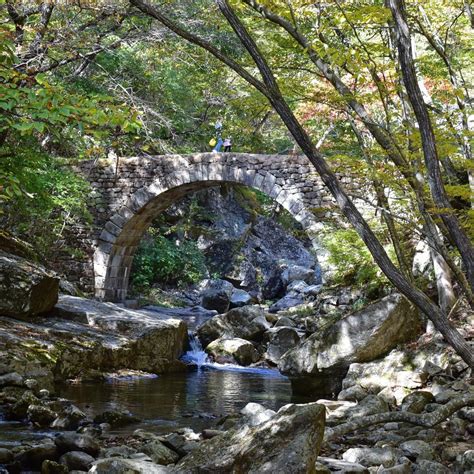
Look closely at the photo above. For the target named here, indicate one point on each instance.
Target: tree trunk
(443, 276)
(428, 140)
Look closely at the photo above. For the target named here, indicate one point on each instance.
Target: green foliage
(161, 260)
(51, 197)
(353, 263)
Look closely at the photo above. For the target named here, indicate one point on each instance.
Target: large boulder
(233, 350)
(240, 298)
(319, 364)
(77, 460)
(395, 373)
(217, 295)
(71, 441)
(280, 340)
(247, 322)
(26, 289)
(31, 457)
(255, 414)
(287, 302)
(86, 338)
(119, 338)
(289, 442)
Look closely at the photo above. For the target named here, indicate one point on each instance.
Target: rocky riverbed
(388, 397)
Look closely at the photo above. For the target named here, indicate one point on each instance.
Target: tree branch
(153, 12)
(428, 420)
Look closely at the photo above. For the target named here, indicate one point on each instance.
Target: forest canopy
(379, 92)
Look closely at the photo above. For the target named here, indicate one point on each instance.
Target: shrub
(161, 260)
(353, 264)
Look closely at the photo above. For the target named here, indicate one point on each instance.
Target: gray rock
(360, 337)
(444, 396)
(467, 413)
(430, 467)
(122, 451)
(240, 298)
(415, 402)
(342, 467)
(285, 303)
(176, 442)
(217, 295)
(322, 360)
(256, 414)
(33, 456)
(69, 419)
(11, 379)
(114, 338)
(456, 426)
(159, 453)
(297, 272)
(280, 340)
(417, 449)
(388, 457)
(71, 441)
(288, 442)
(320, 468)
(467, 461)
(247, 322)
(233, 350)
(404, 468)
(389, 372)
(370, 405)
(40, 415)
(285, 321)
(297, 286)
(19, 410)
(118, 417)
(312, 290)
(26, 289)
(431, 369)
(77, 460)
(126, 466)
(274, 286)
(353, 394)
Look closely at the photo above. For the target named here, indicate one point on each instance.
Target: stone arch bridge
(128, 193)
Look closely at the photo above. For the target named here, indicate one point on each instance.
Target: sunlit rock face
(247, 322)
(85, 338)
(233, 350)
(288, 442)
(322, 360)
(26, 289)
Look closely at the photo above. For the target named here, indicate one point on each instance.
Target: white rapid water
(198, 357)
(196, 354)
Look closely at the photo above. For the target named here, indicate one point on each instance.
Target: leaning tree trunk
(428, 141)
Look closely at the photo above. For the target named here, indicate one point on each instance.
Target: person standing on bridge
(228, 144)
(218, 127)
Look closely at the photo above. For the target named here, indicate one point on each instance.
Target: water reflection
(185, 399)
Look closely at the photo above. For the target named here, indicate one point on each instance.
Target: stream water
(171, 401)
(189, 399)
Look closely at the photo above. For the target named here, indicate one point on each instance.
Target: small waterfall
(196, 354)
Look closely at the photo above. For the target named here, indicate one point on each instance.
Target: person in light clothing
(228, 144)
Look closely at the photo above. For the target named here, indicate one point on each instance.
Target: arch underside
(122, 233)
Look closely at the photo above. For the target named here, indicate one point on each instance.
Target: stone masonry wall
(128, 193)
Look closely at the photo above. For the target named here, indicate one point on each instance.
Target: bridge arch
(289, 183)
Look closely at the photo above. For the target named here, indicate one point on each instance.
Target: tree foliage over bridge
(379, 91)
